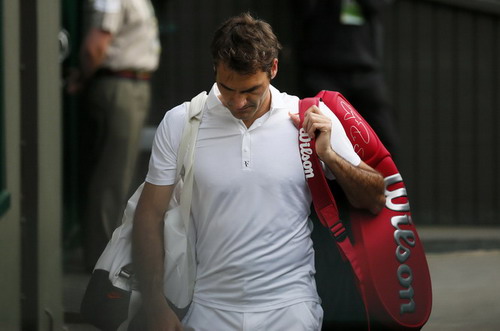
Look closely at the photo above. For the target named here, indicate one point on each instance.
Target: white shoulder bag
(111, 298)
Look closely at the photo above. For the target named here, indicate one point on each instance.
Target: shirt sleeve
(107, 15)
(339, 141)
(163, 160)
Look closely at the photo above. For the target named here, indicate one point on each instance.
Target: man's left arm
(363, 185)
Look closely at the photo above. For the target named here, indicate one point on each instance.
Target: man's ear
(274, 68)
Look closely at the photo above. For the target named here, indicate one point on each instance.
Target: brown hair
(245, 44)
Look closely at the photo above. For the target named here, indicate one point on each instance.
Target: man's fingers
(316, 122)
(313, 109)
(295, 119)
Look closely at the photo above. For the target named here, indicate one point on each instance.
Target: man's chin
(243, 114)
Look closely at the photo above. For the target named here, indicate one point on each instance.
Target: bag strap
(324, 203)
(323, 200)
(185, 154)
(194, 114)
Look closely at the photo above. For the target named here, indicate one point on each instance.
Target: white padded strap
(185, 155)
(195, 112)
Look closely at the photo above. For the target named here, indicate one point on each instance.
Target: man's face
(246, 96)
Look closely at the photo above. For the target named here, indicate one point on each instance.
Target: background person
(340, 48)
(119, 53)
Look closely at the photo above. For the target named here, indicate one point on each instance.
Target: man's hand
(159, 315)
(364, 186)
(317, 126)
(74, 81)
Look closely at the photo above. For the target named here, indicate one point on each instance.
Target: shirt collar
(277, 101)
(213, 97)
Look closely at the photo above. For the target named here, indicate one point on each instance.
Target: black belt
(130, 74)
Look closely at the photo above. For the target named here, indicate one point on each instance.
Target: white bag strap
(185, 154)
(195, 112)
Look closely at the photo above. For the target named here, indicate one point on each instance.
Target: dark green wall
(443, 65)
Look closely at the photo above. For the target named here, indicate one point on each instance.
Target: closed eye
(249, 90)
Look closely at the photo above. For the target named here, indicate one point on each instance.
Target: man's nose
(239, 101)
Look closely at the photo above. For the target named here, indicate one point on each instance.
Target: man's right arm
(148, 255)
(92, 55)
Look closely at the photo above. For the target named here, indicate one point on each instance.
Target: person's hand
(317, 126)
(74, 81)
(160, 317)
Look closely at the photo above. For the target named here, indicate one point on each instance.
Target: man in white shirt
(250, 198)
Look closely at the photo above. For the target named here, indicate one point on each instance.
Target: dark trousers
(110, 128)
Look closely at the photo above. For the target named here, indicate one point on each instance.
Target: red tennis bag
(385, 252)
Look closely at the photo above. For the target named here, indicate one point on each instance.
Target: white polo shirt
(250, 204)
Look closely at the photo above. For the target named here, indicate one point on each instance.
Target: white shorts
(303, 316)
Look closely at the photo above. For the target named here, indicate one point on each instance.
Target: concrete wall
(30, 230)
(10, 222)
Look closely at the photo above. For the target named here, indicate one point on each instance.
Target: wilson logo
(404, 240)
(305, 153)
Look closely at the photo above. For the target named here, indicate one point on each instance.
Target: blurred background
(441, 62)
